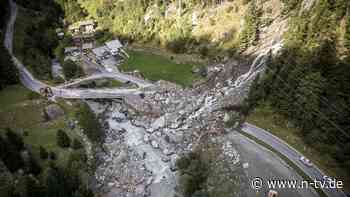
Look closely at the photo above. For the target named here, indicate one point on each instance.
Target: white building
(114, 46)
(83, 27)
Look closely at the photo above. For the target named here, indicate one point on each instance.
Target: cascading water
(258, 65)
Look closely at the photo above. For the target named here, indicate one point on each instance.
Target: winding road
(293, 155)
(33, 84)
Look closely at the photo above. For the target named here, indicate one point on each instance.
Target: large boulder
(53, 112)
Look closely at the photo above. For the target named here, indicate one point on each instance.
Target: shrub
(194, 169)
(43, 153)
(90, 124)
(15, 139)
(347, 33)
(52, 155)
(63, 139)
(77, 144)
(71, 69)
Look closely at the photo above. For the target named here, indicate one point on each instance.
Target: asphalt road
(266, 165)
(33, 84)
(293, 155)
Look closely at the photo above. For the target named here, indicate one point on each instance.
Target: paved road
(279, 145)
(266, 165)
(33, 84)
(107, 75)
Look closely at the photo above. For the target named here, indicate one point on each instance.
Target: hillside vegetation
(8, 72)
(209, 28)
(308, 83)
(35, 37)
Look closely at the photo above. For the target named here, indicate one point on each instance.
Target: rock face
(53, 112)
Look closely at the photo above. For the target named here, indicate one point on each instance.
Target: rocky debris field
(144, 140)
(146, 135)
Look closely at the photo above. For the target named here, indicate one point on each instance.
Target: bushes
(347, 33)
(8, 71)
(309, 86)
(10, 155)
(15, 139)
(71, 69)
(35, 36)
(289, 5)
(4, 5)
(43, 153)
(195, 172)
(250, 33)
(90, 124)
(77, 144)
(63, 139)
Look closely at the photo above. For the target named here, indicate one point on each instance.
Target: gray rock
(146, 138)
(154, 144)
(53, 112)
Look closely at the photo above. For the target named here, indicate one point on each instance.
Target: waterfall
(258, 65)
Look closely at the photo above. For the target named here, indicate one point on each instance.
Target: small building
(71, 51)
(83, 27)
(88, 27)
(59, 33)
(114, 46)
(101, 52)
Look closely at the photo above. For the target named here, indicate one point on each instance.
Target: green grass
(264, 117)
(21, 114)
(12, 95)
(103, 83)
(155, 67)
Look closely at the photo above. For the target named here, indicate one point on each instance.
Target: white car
(305, 161)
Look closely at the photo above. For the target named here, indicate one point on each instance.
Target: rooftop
(81, 23)
(70, 49)
(114, 45)
(100, 51)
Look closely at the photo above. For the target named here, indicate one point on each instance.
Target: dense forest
(8, 72)
(23, 175)
(309, 81)
(35, 37)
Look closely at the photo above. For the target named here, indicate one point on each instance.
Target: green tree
(71, 69)
(77, 144)
(10, 155)
(43, 153)
(15, 139)
(33, 187)
(52, 155)
(8, 71)
(63, 139)
(308, 98)
(347, 33)
(90, 124)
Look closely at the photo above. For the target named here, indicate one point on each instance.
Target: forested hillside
(309, 81)
(8, 73)
(35, 37)
(209, 28)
